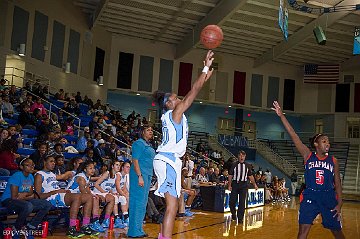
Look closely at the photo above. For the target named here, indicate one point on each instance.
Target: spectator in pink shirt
(38, 105)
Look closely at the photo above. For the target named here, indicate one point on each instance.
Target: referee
(238, 176)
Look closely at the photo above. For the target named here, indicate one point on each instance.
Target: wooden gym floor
(278, 220)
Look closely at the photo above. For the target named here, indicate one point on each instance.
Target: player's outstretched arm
(195, 89)
(303, 150)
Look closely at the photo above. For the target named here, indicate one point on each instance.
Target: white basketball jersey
(108, 185)
(175, 135)
(49, 182)
(73, 186)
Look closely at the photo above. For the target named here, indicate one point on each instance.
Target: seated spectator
(60, 95)
(188, 193)
(2, 84)
(200, 148)
(202, 178)
(14, 95)
(28, 86)
(257, 178)
(78, 98)
(7, 107)
(44, 128)
(26, 119)
(54, 122)
(69, 127)
(15, 135)
(8, 156)
(224, 177)
(82, 140)
(19, 197)
(89, 155)
(72, 107)
(93, 123)
(88, 101)
(215, 177)
(58, 149)
(38, 105)
(2, 121)
(4, 135)
(100, 153)
(60, 167)
(102, 124)
(38, 117)
(39, 155)
(22, 98)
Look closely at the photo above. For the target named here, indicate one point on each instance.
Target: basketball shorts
(314, 202)
(118, 199)
(169, 176)
(58, 200)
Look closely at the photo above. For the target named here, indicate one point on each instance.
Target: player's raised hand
(209, 58)
(277, 108)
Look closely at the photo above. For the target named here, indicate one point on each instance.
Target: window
(319, 126)
(353, 127)
(226, 126)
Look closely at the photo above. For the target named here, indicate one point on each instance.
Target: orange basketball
(211, 36)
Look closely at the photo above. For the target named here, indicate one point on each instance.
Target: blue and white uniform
(167, 162)
(73, 186)
(49, 184)
(109, 185)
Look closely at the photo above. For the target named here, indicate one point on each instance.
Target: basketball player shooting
(167, 162)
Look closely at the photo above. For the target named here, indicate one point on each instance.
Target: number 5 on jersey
(320, 177)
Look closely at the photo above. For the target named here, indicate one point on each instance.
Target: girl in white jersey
(105, 186)
(122, 188)
(47, 186)
(80, 184)
(167, 163)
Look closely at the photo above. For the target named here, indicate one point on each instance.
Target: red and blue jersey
(319, 173)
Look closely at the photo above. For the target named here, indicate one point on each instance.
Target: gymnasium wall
(157, 60)
(77, 45)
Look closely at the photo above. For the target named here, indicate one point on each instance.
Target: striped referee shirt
(240, 171)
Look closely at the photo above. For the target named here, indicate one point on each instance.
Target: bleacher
(196, 137)
(287, 150)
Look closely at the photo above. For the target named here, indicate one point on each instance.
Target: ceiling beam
(117, 6)
(252, 33)
(217, 16)
(267, 17)
(274, 7)
(351, 64)
(302, 34)
(148, 18)
(98, 12)
(168, 7)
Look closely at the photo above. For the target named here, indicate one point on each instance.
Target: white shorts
(168, 175)
(57, 200)
(118, 199)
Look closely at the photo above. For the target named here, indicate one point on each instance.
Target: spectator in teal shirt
(20, 197)
(141, 172)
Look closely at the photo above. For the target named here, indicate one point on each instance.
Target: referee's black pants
(238, 188)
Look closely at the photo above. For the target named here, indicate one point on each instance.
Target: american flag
(321, 74)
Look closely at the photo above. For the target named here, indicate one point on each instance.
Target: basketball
(211, 36)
